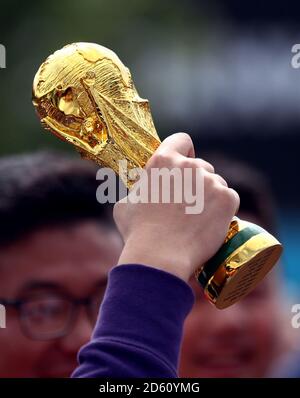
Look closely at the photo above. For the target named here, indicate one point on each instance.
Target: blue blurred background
(220, 71)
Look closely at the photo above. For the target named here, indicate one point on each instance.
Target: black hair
(46, 188)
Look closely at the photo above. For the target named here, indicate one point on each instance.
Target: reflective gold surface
(244, 268)
(84, 94)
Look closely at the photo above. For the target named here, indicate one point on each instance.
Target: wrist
(155, 253)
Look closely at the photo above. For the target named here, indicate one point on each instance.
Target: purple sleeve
(139, 329)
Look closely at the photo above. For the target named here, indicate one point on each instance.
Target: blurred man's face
(240, 341)
(48, 271)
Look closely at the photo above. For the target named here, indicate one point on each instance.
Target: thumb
(180, 143)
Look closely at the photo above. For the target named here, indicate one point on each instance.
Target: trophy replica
(85, 95)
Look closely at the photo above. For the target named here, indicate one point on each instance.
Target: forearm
(139, 330)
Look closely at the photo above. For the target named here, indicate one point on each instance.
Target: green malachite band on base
(225, 251)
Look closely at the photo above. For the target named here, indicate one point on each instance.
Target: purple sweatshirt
(139, 329)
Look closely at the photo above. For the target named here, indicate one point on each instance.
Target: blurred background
(220, 71)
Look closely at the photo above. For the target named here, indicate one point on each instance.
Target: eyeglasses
(47, 316)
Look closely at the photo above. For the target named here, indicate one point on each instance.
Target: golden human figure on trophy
(85, 95)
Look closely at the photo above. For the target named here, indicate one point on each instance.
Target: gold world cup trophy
(85, 95)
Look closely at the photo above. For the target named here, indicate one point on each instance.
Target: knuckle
(236, 197)
(207, 166)
(221, 180)
(186, 163)
(230, 199)
(159, 159)
(209, 181)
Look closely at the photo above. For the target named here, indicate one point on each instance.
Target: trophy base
(248, 276)
(248, 254)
